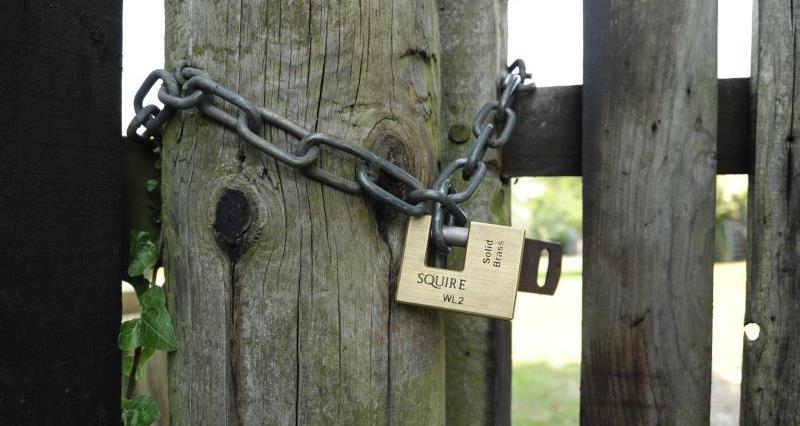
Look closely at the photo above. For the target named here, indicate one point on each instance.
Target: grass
(545, 395)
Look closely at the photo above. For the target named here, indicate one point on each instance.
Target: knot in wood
(232, 221)
(403, 146)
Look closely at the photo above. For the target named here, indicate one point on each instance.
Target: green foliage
(156, 326)
(731, 205)
(542, 394)
(151, 185)
(150, 332)
(130, 335)
(141, 369)
(143, 253)
(153, 330)
(139, 338)
(141, 411)
(551, 208)
(556, 213)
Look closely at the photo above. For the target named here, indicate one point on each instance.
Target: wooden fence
(60, 212)
(648, 131)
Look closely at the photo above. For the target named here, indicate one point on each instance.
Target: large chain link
(188, 87)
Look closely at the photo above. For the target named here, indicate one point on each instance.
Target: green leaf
(156, 325)
(151, 185)
(141, 370)
(130, 335)
(142, 411)
(153, 330)
(143, 253)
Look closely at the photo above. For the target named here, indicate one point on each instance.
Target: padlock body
(487, 286)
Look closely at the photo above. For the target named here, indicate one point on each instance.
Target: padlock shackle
(456, 235)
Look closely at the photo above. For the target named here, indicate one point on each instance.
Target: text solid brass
(487, 285)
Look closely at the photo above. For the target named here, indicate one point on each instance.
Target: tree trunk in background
(292, 320)
(473, 61)
(649, 156)
(771, 363)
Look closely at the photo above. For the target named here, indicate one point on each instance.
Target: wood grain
(548, 137)
(649, 151)
(291, 321)
(473, 58)
(60, 212)
(771, 363)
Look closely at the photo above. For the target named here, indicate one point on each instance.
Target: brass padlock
(487, 285)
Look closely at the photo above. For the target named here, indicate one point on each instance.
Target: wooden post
(771, 369)
(281, 288)
(473, 60)
(649, 153)
(60, 212)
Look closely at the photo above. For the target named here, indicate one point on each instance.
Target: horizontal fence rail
(547, 141)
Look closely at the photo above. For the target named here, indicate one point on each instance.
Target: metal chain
(188, 87)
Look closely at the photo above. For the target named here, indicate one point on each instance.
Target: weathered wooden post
(473, 38)
(771, 363)
(649, 154)
(281, 288)
(60, 212)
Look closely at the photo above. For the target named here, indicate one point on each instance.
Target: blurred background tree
(731, 225)
(551, 209)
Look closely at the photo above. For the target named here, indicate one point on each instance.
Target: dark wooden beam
(547, 140)
(60, 212)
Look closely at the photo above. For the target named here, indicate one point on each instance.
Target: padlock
(487, 285)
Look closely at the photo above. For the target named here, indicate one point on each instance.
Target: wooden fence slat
(771, 363)
(60, 212)
(547, 141)
(649, 131)
(478, 349)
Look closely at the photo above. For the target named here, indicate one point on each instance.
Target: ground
(547, 347)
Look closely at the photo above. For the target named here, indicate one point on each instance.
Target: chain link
(188, 87)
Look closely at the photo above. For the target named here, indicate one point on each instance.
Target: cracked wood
(299, 327)
(771, 363)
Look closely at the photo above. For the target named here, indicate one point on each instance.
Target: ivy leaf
(141, 369)
(130, 335)
(156, 325)
(143, 253)
(142, 411)
(153, 330)
(151, 185)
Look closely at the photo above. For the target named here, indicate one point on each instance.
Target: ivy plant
(139, 338)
